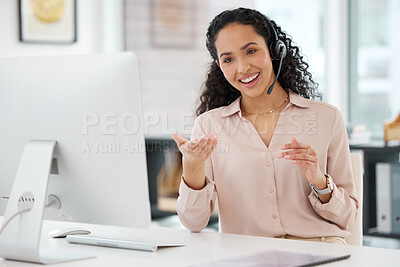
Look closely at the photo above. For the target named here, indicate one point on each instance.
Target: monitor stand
(20, 240)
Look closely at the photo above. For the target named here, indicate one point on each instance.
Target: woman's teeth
(250, 79)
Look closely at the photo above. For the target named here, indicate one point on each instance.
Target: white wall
(171, 75)
(89, 35)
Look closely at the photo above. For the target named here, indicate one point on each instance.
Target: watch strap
(328, 189)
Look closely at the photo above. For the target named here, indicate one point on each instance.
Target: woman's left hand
(306, 159)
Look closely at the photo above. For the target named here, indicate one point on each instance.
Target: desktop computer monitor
(90, 105)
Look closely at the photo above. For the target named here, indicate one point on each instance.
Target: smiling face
(243, 57)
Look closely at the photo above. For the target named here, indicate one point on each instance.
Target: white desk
(201, 247)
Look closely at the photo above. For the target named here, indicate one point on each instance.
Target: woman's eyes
(227, 60)
(249, 52)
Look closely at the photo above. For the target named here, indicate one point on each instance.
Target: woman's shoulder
(322, 106)
(315, 105)
(325, 111)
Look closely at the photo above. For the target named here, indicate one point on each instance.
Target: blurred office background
(352, 47)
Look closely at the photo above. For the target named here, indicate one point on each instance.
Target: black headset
(277, 47)
(277, 50)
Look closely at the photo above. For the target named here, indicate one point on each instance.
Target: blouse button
(274, 216)
(268, 164)
(271, 190)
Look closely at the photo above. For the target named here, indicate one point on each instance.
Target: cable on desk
(48, 205)
(12, 217)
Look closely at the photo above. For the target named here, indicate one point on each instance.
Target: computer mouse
(62, 233)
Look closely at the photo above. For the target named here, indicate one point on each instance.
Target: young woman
(282, 164)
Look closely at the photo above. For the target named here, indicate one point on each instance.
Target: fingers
(307, 151)
(179, 140)
(210, 145)
(197, 148)
(297, 151)
(296, 148)
(295, 145)
(205, 143)
(301, 157)
(199, 145)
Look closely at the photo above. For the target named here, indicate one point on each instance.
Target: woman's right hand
(195, 152)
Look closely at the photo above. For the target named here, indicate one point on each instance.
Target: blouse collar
(294, 99)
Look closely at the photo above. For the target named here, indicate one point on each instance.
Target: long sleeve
(342, 207)
(194, 207)
(253, 185)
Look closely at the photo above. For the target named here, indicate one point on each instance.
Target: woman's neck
(264, 102)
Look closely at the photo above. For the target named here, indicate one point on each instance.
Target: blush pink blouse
(259, 194)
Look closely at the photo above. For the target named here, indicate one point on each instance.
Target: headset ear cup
(274, 53)
(280, 49)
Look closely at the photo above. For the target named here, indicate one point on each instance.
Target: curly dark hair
(217, 91)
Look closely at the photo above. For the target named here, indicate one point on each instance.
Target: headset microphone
(277, 50)
(276, 77)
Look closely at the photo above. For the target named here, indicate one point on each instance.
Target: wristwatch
(328, 189)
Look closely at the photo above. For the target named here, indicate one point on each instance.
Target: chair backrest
(356, 237)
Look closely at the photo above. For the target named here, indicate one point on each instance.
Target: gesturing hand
(307, 160)
(196, 151)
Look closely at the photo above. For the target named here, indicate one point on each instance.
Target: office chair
(356, 231)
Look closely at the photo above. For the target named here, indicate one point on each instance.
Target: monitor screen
(91, 105)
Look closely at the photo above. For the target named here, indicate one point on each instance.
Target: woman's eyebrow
(242, 48)
(247, 45)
